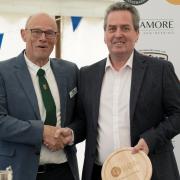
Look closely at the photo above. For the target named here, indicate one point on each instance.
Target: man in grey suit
(36, 151)
(128, 99)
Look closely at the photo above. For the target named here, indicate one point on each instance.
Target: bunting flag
(1, 38)
(75, 21)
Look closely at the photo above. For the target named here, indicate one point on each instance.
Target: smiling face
(38, 49)
(120, 35)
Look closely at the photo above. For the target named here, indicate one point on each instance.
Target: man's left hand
(141, 145)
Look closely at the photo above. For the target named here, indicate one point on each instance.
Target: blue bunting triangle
(75, 21)
(1, 38)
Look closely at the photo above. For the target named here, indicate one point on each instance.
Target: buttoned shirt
(47, 156)
(114, 111)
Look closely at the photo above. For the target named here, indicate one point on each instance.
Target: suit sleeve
(78, 125)
(170, 126)
(17, 130)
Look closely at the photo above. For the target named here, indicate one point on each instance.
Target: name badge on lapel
(73, 92)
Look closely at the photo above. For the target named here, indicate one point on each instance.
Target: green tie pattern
(48, 100)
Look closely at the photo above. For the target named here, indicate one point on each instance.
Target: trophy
(123, 165)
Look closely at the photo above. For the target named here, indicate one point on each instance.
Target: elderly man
(37, 99)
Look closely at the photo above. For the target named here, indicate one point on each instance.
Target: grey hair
(122, 6)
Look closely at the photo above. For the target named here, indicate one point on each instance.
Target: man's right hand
(56, 138)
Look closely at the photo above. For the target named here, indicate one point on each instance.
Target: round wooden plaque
(123, 165)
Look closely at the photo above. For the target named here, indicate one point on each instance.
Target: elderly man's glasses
(37, 33)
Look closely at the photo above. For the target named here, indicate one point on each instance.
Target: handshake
(55, 138)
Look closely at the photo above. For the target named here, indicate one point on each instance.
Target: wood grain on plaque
(123, 165)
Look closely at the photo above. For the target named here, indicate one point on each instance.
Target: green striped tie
(48, 100)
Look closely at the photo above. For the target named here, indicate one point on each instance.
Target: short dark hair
(122, 6)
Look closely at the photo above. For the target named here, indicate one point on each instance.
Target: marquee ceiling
(55, 7)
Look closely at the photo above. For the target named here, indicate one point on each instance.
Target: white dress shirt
(47, 156)
(114, 111)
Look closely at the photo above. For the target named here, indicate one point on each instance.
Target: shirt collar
(127, 64)
(34, 68)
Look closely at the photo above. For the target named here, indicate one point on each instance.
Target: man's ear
(23, 34)
(104, 38)
(137, 35)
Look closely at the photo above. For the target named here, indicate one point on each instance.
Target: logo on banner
(157, 26)
(136, 2)
(176, 2)
(155, 53)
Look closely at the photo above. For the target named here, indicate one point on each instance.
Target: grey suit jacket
(154, 112)
(21, 127)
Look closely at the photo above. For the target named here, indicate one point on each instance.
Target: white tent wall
(86, 45)
(12, 44)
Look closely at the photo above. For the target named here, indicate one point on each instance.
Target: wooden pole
(58, 43)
